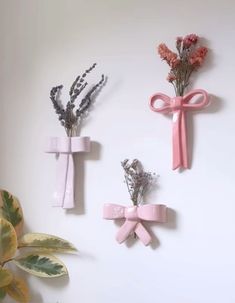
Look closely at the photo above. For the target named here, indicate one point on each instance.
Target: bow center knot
(177, 103)
(131, 213)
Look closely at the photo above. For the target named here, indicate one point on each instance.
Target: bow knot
(131, 213)
(177, 103)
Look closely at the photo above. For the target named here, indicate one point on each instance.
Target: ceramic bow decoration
(138, 182)
(65, 147)
(189, 59)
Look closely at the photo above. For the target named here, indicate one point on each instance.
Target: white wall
(45, 43)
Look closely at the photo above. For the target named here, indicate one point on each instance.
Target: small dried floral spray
(188, 59)
(69, 116)
(137, 180)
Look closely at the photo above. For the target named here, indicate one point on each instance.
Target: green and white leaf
(10, 210)
(2, 293)
(18, 290)
(8, 240)
(45, 242)
(41, 265)
(5, 277)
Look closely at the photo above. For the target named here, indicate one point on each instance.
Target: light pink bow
(135, 215)
(178, 106)
(65, 147)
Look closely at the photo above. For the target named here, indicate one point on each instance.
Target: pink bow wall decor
(138, 183)
(178, 106)
(134, 219)
(188, 58)
(70, 116)
(65, 147)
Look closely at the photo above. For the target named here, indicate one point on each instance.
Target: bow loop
(152, 212)
(198, 104)
(113, 211)
(165, 107)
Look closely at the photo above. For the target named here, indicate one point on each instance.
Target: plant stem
(3, 263)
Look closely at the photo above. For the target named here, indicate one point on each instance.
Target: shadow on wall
(215, 105)
(170, 224)
(58, 283)
(80, 160)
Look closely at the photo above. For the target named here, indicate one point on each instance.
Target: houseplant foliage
(31, 252)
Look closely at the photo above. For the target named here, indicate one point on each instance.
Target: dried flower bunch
(189, 59)
(70, 117)
(137, 180)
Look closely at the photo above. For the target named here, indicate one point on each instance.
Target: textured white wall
(45, 43)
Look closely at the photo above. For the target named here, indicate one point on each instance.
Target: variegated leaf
(8, 240)
(41, 265)
(18, 290)
(45, 242)
(10, 210)
(2, 293)
(5, 277)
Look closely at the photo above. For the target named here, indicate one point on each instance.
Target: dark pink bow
(178, 106)
(134, 216)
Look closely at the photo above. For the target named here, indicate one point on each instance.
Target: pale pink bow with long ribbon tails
(135, 215)
(65, 147)
(178, 106)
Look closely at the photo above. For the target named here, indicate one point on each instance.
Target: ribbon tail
(176, 138)
(125, 230)
(143, 234)
(184, 148)
(61, 179)
(69, 187)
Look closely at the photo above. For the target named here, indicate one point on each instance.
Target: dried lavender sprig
(77, 91)
(86, 101)
(79, 82)
(54, 96)
(137, 180)
(73, 85)
(68, 116)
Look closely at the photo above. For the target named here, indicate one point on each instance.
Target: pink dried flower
(166, 54)
(187, 60)
(171, 77)
(179, 40)
(198, 56)
(190, 40)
